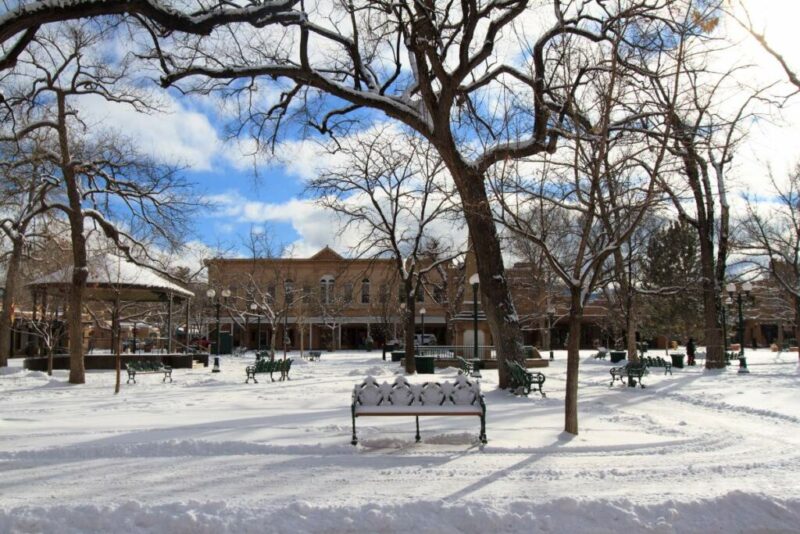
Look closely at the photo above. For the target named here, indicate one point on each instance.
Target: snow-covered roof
(113, 274)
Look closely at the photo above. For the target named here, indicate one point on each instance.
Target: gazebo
(115, 280)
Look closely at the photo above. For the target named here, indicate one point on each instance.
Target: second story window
(288, 290)
(348, 293)
(365, 291)
(420, 294)
(326, 289)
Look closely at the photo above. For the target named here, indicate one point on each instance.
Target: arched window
(365, 291)
(326, 289)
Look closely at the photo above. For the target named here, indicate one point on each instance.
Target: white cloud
(176, 135)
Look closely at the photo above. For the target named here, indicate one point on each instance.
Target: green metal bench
(468, 368)
(524, 381)
(631, 371)
(314, 355)
(147, 368)
(657, 361)
(268, 366)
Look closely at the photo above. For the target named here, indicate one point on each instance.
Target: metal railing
(468, 352)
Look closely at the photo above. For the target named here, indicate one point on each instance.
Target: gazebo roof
(113, 277)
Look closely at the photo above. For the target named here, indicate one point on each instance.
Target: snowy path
(209, 453)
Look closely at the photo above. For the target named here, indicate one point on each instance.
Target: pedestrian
(690, 349)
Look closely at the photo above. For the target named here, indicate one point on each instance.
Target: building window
(438, 295)
(326, 289)
(271, 293)
(288, 290)
(348, 293)
(365, 291)
(420, 294)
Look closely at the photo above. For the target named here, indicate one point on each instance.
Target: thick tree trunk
(12, 281)
(633, 352)
(797, 320)
(573, 362)
(711, 313)
(80, 272)
(497, 304)
(115, 345)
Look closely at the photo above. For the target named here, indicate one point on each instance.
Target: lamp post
(474, 280)
(422, 312)
(224, 294)
(736, 296)
(551, 313)
(133, 338)
(254, 309)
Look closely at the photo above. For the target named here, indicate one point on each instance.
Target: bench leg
(354, 441)
(417, 436)
(131, 377)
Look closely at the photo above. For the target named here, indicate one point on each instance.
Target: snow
(694, 452)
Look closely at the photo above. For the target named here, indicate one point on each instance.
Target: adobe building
(324, 301)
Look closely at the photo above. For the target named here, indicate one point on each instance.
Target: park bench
(524, 381)
(314, 355)
(265, 354)
(265, 365)
(468, 368)
(657, 361)
(147, 368)
(601, 355)
(459, 398)
(631, 371)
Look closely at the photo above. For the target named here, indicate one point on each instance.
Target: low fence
(108, 361)
(468, 352)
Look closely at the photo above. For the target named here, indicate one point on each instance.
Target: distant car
(426, 339)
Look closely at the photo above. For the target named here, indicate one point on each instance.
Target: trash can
(617, 356)
(677, 360)
(424, 364)
(398, 355)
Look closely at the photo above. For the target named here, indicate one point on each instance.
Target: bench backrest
(143, 366)
(462, 392)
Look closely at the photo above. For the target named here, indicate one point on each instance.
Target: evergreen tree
(671, 275)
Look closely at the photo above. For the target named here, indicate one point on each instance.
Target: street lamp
(224, 294)
(422, 312)
(475, 280)
(736, 296)
(254, 309)
(551, 313)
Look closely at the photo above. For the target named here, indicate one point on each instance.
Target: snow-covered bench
(314, 355)
(459, 398)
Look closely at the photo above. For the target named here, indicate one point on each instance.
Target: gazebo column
(188, 309)
(169, 324)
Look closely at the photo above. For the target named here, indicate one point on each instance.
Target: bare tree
(22, 20)
(23, 189)
(582, 207)
(705, 111)
(772, 232)
(103, 181)
(431, 66)
(392, 189)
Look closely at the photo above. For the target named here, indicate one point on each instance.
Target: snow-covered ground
(694, 452)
